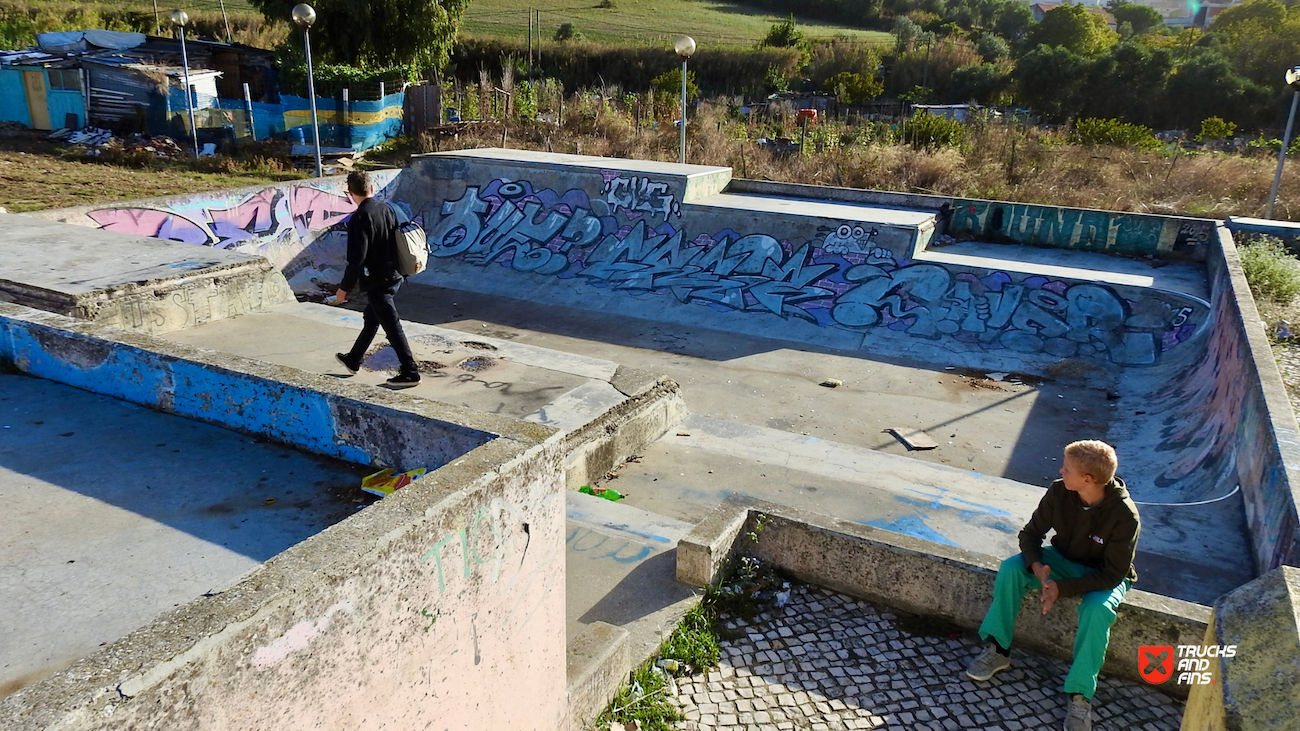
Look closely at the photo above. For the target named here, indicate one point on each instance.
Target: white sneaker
(987, 664)
(1078, 715)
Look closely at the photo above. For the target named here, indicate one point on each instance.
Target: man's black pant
(381, 312)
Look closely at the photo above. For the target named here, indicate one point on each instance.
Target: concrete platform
(115, 513)
(607, 412)
(132, 282)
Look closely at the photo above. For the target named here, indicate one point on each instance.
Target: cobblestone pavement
(826, 662)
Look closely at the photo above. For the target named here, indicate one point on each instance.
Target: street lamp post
(1293, 81)
(180, 19)
(304, 15)
(685, 47)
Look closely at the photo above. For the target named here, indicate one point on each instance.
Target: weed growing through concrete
(694, 646)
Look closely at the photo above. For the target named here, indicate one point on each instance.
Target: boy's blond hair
(1095, 458)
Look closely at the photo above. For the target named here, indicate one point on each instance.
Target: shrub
(567, 32)
(1092, 131)
(1215, 128)
(928, 131)
(852, 88)
(525, 101)
(669, 83)
(775, 81)
(1272, 271)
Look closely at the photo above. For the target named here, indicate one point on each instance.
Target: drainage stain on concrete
(476, 363)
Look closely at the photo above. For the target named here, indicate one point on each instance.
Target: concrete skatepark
(661, 328)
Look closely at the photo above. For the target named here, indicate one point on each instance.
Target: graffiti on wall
(272, 213)
(1218, 433)
(638, 195)
(834, 278)
(1087, 230)
(1032, 315)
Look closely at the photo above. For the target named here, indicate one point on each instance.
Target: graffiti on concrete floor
(834, 278)
(599, 545)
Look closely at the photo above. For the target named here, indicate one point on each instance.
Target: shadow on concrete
(243, 494)
(649, 587)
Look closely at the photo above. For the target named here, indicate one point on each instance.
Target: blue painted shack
(41, 90)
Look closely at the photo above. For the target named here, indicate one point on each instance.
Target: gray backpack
(412, 249)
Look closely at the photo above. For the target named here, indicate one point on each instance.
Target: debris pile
(98, 139)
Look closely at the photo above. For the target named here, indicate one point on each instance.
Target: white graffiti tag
(639, 195)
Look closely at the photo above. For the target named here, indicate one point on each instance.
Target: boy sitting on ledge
(1091, 556)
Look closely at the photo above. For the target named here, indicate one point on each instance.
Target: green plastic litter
(608, 493)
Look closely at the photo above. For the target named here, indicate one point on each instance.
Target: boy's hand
(1043, 573)
(340, 297)
(1051, 592)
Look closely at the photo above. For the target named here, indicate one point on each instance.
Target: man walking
(372, 263)
(1091, 557)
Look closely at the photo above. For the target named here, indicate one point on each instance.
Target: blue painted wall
(13, 98)
(62, 103)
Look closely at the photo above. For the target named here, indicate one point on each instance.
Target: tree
(1051, 80)
(985, 83)
(370, 33)
(992, 47)
(1207, 86)
(852, 88)
(1014, 21)
(1141, 18)
(1127, 82)
(1075, 28)
(906, 34)
(567, 32)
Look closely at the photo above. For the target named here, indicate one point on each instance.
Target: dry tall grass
(994, 161)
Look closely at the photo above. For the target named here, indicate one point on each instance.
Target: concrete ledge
(595, 668)
(653, 406)
(131, 282)
(307, 411)
(918, 576)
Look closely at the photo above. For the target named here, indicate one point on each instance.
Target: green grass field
(642, 21)
(711, 22)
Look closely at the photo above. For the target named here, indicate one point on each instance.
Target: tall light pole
(1293, 81)
(304, 15)
(180, 19)
(685, 46)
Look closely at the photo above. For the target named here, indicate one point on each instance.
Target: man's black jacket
(372, 247)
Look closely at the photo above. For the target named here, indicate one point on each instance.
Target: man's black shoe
(404, 380)
(342, 358)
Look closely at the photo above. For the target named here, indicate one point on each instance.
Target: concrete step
(841, 228)
(1182, 277)
(622, 594)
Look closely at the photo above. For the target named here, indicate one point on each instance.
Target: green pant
(1096, 615)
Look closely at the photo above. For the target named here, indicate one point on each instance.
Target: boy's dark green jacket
(1103, 537)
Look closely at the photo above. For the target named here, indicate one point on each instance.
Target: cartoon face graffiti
(848, 239)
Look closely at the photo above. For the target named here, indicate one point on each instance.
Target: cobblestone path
(827, 662)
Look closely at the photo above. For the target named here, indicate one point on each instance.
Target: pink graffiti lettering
(314, 209)
(150, 222)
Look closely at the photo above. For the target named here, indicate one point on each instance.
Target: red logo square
(1156, 663)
